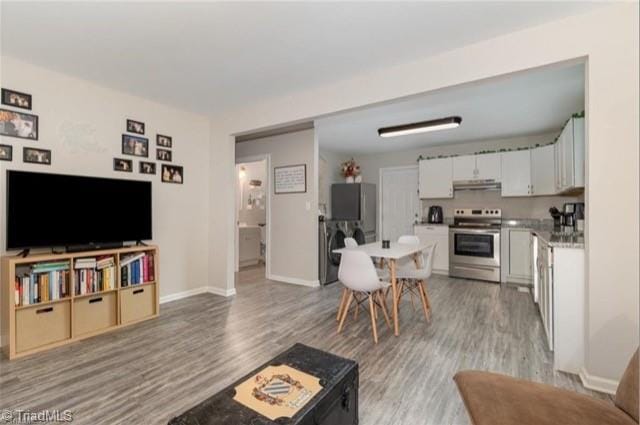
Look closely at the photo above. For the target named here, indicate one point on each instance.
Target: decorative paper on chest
(290, 179)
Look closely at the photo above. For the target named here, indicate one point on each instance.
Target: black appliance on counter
(335, 404)
(573, 213)
(435, 215)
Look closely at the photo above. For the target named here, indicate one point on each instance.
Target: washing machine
(331, 236)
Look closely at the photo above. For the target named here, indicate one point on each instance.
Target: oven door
(475, 246)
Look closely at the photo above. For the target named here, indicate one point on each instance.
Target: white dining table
(395, 252)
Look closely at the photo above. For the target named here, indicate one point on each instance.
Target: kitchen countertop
(558, 240)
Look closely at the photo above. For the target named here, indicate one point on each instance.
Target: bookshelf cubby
(49, 300)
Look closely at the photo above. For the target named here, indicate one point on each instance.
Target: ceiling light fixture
(420, 127)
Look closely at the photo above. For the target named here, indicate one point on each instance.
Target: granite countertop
(558, 240)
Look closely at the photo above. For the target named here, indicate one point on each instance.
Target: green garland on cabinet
(501, 150)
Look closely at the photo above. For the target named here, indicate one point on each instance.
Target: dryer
(331, 236)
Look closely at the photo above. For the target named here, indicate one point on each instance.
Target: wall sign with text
(290, 179)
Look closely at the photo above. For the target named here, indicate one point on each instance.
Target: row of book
(136, 269)
(42, 282)
(94, 275)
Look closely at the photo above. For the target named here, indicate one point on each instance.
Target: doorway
(252, 215)
(399, 203)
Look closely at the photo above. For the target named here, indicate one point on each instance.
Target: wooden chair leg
(426, 294)
(423, 298)
(343, 299)
(383, 307)
(355, 313)
(373, 319)
(345, 312)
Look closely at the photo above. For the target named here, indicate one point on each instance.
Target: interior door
(400, 205)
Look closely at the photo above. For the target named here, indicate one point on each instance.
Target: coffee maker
(573, 217)
(435, 215)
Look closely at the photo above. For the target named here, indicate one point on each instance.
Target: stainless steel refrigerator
(355, 204)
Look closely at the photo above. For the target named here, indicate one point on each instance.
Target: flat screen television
(55, 210)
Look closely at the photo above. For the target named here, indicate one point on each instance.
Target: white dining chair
(358, 274)
(413, 275)
(350, 243)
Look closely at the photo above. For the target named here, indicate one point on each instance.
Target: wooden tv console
(28, 329)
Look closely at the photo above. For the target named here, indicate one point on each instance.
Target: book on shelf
(85, 263)
(137, 269)
(40, 286)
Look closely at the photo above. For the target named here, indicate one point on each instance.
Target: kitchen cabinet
(520, 254)
(543, 170)
(477, 167)
(569, 157)
(438, 233)
(249, 245)
(435, 178)
(516, 173)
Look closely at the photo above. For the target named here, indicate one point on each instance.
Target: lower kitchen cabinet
(516, 256)
(438, 233)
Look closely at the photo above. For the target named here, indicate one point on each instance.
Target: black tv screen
(54, 210)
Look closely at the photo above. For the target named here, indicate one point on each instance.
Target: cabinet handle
(44, 310)
(137, 291)
(95, 300)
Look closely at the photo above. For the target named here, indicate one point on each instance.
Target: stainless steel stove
(474, 244)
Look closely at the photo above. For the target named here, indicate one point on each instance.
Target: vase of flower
(351, 171)
(349, 179)
(358, 178)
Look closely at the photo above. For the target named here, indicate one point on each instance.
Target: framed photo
(163, 155)
(172, 174)
(18, 124)
(164, 141)
(6, 153)
(290, 179)
(134, 145)
(135, 127)
(16, 99)
(147, 167)
(120, 164)
(36, 156)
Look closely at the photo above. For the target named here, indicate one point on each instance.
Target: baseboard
(596, 383)
(197, 291)
(183, 294)
(295, 281)
(222, 292)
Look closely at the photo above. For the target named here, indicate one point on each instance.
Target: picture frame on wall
(135, 145)
(6, 153)
(36, 156)
(290, 179)
(18, 124)
(121, 164)
(172, 174)
(16, 99)
(164, 141)
(147, 167)
(136, 127)
(163, 155)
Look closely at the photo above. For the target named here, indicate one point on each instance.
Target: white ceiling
(208, 57)
(526, 103)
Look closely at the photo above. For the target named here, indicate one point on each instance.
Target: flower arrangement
(350, 169)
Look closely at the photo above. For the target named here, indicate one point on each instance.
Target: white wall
(608, 39)
(333, 160)
(82, 124)
(294, 228)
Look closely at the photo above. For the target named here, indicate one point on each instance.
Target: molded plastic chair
(413, 277)
(350, 243)
(358, 274)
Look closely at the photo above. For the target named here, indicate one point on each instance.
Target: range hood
(489, 184)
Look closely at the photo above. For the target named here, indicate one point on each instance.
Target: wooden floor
(150, 372)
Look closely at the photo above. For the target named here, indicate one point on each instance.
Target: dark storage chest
(335, 404)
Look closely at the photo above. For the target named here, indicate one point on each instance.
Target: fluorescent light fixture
(420, 127)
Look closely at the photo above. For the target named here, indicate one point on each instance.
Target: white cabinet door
(520, 253)
(578, 152)
(439, 235)
(567, 156)
(488, 167)
(516, 173)
(464, 168)
(436, 178)
(543, 170)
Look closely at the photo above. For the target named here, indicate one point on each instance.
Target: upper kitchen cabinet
(436, 178)
(477, 167)
(569, 157)
(516, 173)
(543, 166)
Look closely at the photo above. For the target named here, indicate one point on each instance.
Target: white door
(436, 178)
(399, 203)
(488, 166)
(464, 168)
(516, 173)
(543, 170)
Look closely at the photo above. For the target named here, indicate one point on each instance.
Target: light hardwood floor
(150, 372)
